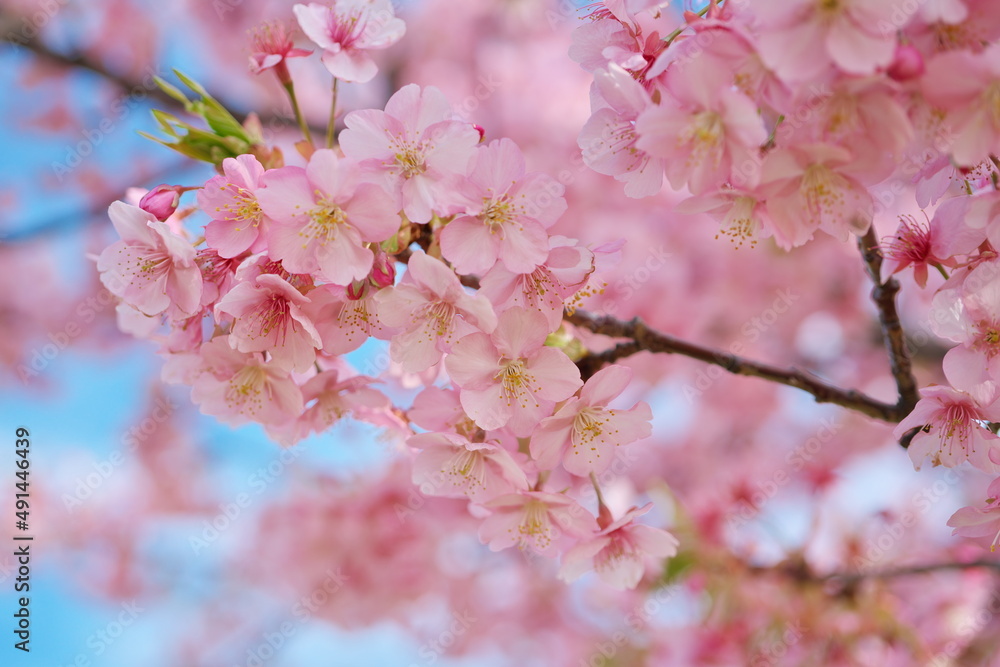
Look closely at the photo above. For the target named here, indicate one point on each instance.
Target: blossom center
(245, 388)
(242, 209)
(516, 383)
(324, 222)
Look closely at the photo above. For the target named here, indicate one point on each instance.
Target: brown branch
(884, 297)
(646, 339)
(131, 86)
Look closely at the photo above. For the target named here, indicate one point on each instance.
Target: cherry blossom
(272, 46)
(347, 30)
(322, 217)
(584, 433)
(534, 520)
(509, 378)
(450, 465)
(413, 148)
(508, 214)
(619, 551)
(151, 268)
(238, 223)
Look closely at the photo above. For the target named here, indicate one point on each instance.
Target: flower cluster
(299, 265)
(781, 119)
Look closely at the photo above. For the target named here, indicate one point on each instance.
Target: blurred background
(163, 538)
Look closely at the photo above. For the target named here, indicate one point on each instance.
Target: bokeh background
(128, 477)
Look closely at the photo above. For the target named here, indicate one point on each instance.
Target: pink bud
(162, 201)
(908, 63)
(383, 270)
(356, 290)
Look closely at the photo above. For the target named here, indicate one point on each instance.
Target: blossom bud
(161, 201)
(356, 290)
(383, 270)
(908, 63)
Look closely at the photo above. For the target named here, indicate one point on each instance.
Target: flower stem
(290, 89)
(333, 115)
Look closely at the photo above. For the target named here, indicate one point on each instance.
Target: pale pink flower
(238, 223)
(322, 217)
(413, 148)
(630, 35)
(271, 46)
(509, 378)
(452, 466)
(618, 553)
(151, 268)
(971, 100)
(814, 187)
(799, 39)
(347, 30)
(344, 323)
(239, 387)
(608, 138)
(953, 428)
(507, 216)
(329, 398)
(269, 318)
(970, 315)
(740, 214)
(584, 433)
(980, 522)
(702, 128)
(433, 310)
(440, 409)
(547, 287)
(536, 520)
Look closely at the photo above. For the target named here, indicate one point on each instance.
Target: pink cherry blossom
(509, 378)
(218, 274)
(814, 187)
(741, 215)
(913, 244)
(800, 39)
(330, 397)
(534, 520)
(584, 433)
(344, 323)
(433, 310)
(618, 553)
(272, 46)
(412, 148)
(953, 429)
(151, 268)
(322, 217)
(970, 100)
(347, 30)
(702, 129)
(239, 387)
(269, 318)
(546, 288)
(982, 521)
(608, 139)
(970, 315)
(450, 465)
(440, 409)
(508, 214)
(238, 224)
(630, 35)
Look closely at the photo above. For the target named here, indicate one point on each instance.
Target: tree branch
(884, 297)
(79, 61)
(649, 340)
